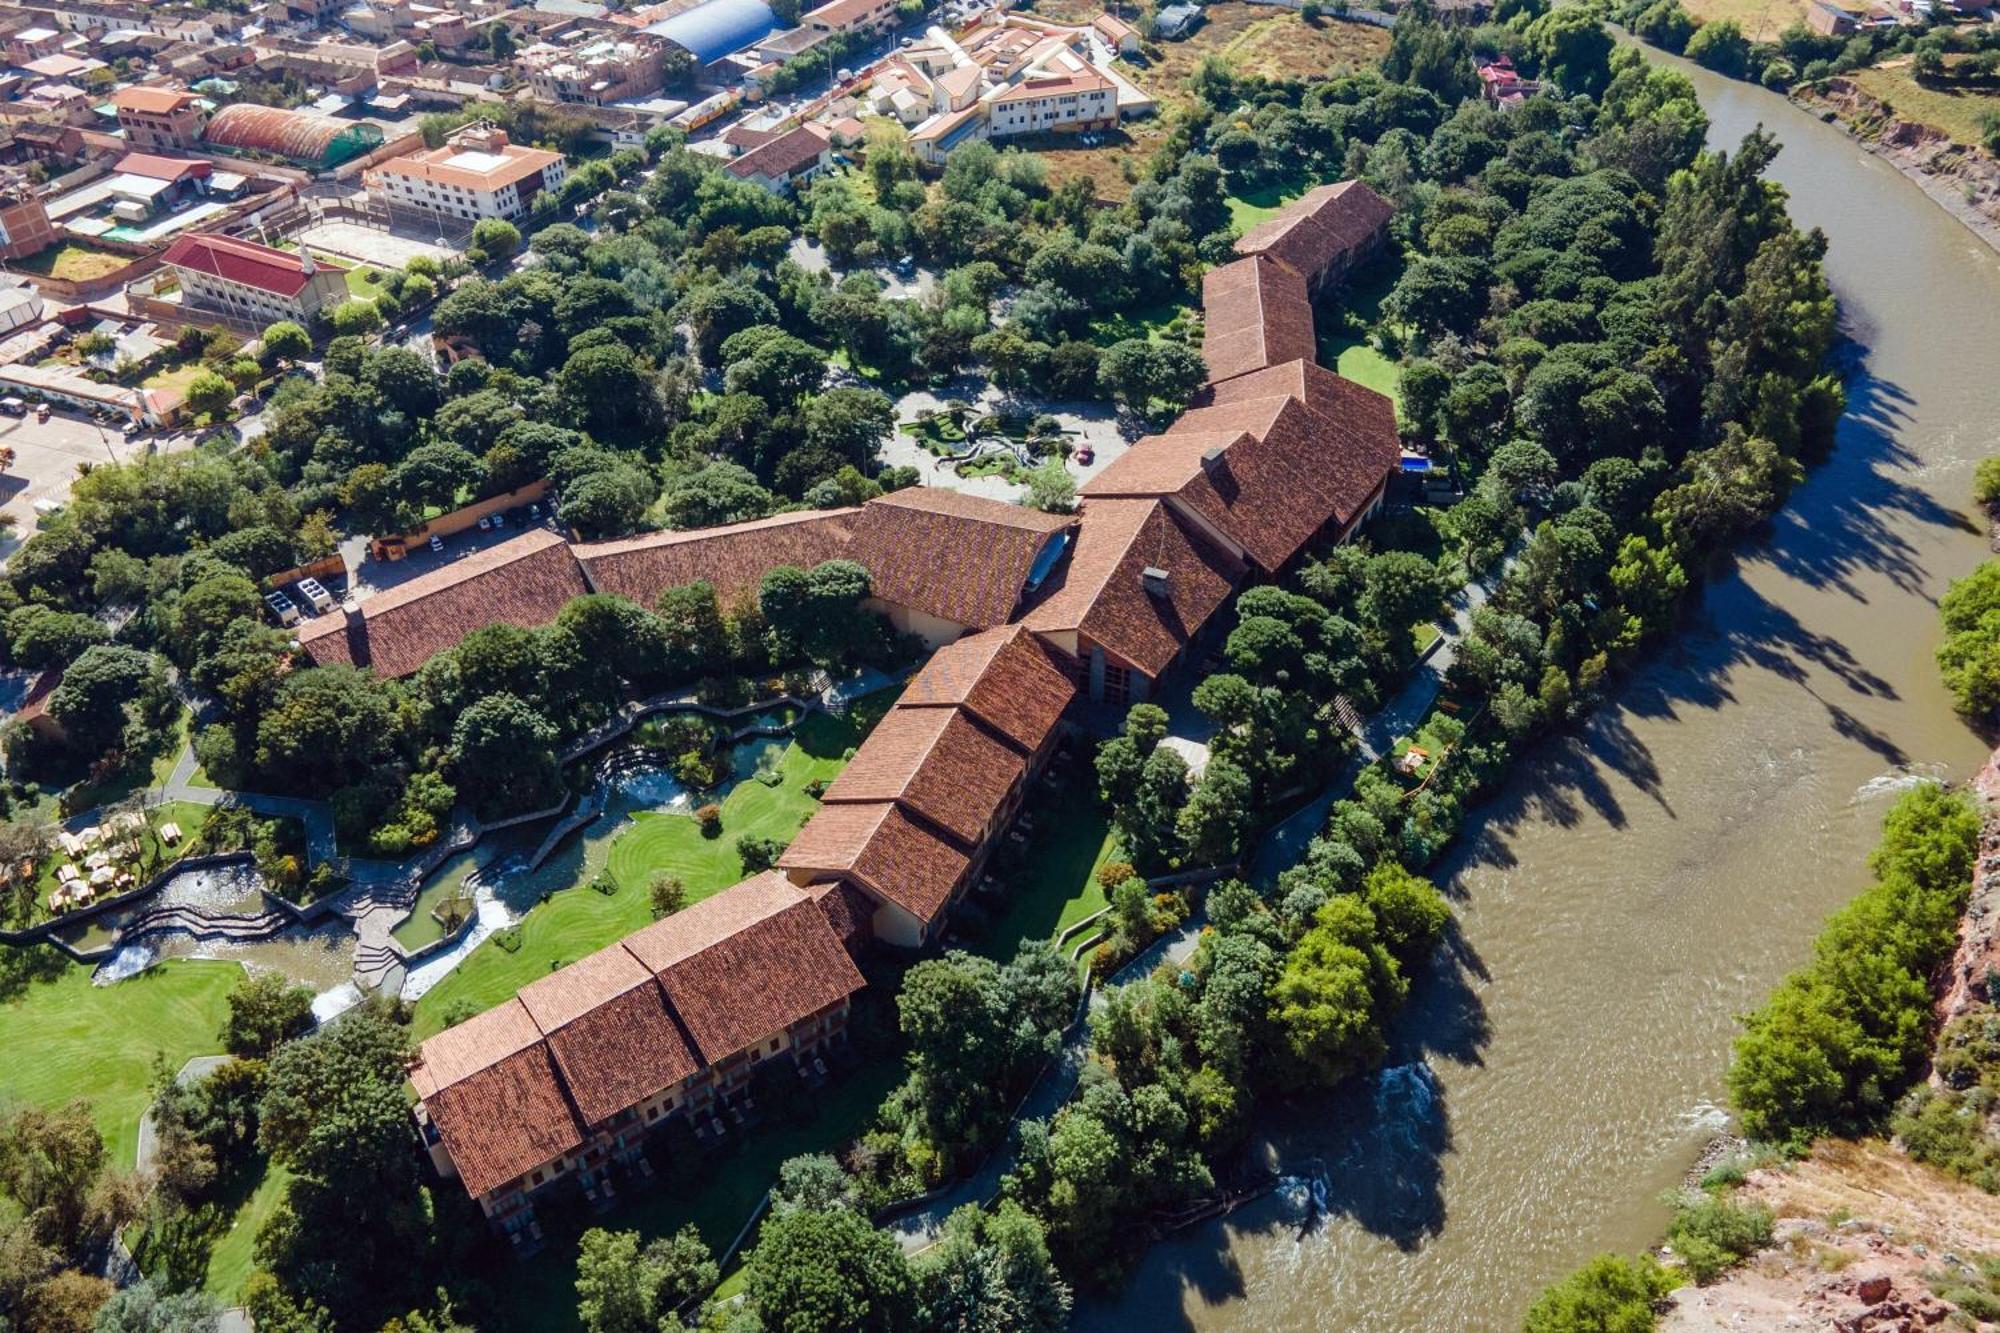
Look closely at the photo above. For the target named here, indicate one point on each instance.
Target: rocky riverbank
(1867, 1239)
(1965, 182)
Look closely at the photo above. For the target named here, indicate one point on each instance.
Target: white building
(477, 174)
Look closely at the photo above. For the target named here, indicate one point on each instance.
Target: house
(1322, 233)
(159, 117)
(567, 1085)
(1831, 20)
(602, 71)
(525, 580)
(251, 283)
(55, 144)
(1174, 22)
(476, 174)
(1502, 85)
(1120, 36)
(911, 822)
(1069, 102)
(787, 161)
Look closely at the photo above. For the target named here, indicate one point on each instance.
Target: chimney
(1158, 583)
(306, 262)
(357, 633)
(1211, 457)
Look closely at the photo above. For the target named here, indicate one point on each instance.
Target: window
(537, 1178)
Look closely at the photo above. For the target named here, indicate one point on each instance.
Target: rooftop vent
(1158, 582)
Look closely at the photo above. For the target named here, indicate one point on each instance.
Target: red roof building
(253, 284)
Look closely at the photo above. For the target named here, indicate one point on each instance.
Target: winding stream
(1639, 885)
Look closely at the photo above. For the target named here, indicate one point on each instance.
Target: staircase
(243, 927)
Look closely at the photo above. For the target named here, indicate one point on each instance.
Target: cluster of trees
(1840, 1038)
(1798, 55)
(1969, 657)
(1289, 991)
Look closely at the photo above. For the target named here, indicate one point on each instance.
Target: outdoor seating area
(104, 859)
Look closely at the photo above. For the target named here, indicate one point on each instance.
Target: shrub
(758, 853)
(605, 885)
(1986, 481)
(666, 894)
(710, 818)
(509, 939)
(1714, 1234)
(1113, 873)
(1610, 1294)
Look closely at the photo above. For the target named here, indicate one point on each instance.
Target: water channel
(1641, 884)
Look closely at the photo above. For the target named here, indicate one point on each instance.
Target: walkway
(316, 816)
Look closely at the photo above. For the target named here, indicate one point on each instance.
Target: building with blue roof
(711, 31)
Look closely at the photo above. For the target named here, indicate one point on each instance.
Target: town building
(1322, 233)
(1502, 85)
(250, 283)
(788, 161)
(598, 72)
(850, 16)
(25, 228)
(159, 117)
(1120, 36)
(567, 1085)
(476, 174)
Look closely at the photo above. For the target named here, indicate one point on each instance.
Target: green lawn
(358, 284)
(1246, 211)
(1145, 322)
(1356, 357)
(578, 920)
(1058, 887)
(1367, 367)
(66, 1038)
(231, 1260)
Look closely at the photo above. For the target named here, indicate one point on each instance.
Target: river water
(1637, 887)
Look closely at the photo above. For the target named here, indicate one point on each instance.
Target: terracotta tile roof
(1255, 313)
(1267, 473)
(734, 558)
(884, 851)
(448, 165)
(491, 1089)
(959, 557)
(840, 13)
(1036, 88)
(253, 265)
(1004, 677)
(1320, 228)
(152, 101)
(523, 581)
(1103, 594)
(1360, 423)
(610, 1031)
(154, 167)
(848, 910)
(784, 156)
(746, 963)
(936, 763)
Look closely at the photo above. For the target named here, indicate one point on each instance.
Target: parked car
(1086, 456)
(499, 521)
(42, 412)
(485, 525)
(437, 543)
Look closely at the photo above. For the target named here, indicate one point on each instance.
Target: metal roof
(713, 30)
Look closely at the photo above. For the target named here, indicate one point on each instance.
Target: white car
(437, 543)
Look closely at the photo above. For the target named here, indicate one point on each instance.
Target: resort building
(849, 16)
(251, 283)
(569, 1084)
(159, 117)
(476, 174)
(1322, 233)
(1028, 615)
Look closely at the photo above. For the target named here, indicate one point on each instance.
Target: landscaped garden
(101, 1042)
(1353, 349)
(578, 920)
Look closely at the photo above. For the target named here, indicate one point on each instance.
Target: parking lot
(45, 457)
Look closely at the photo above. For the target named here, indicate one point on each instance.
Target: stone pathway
(200, 1067)
(316, 816)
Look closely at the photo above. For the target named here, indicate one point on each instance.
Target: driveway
(1096, 424)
